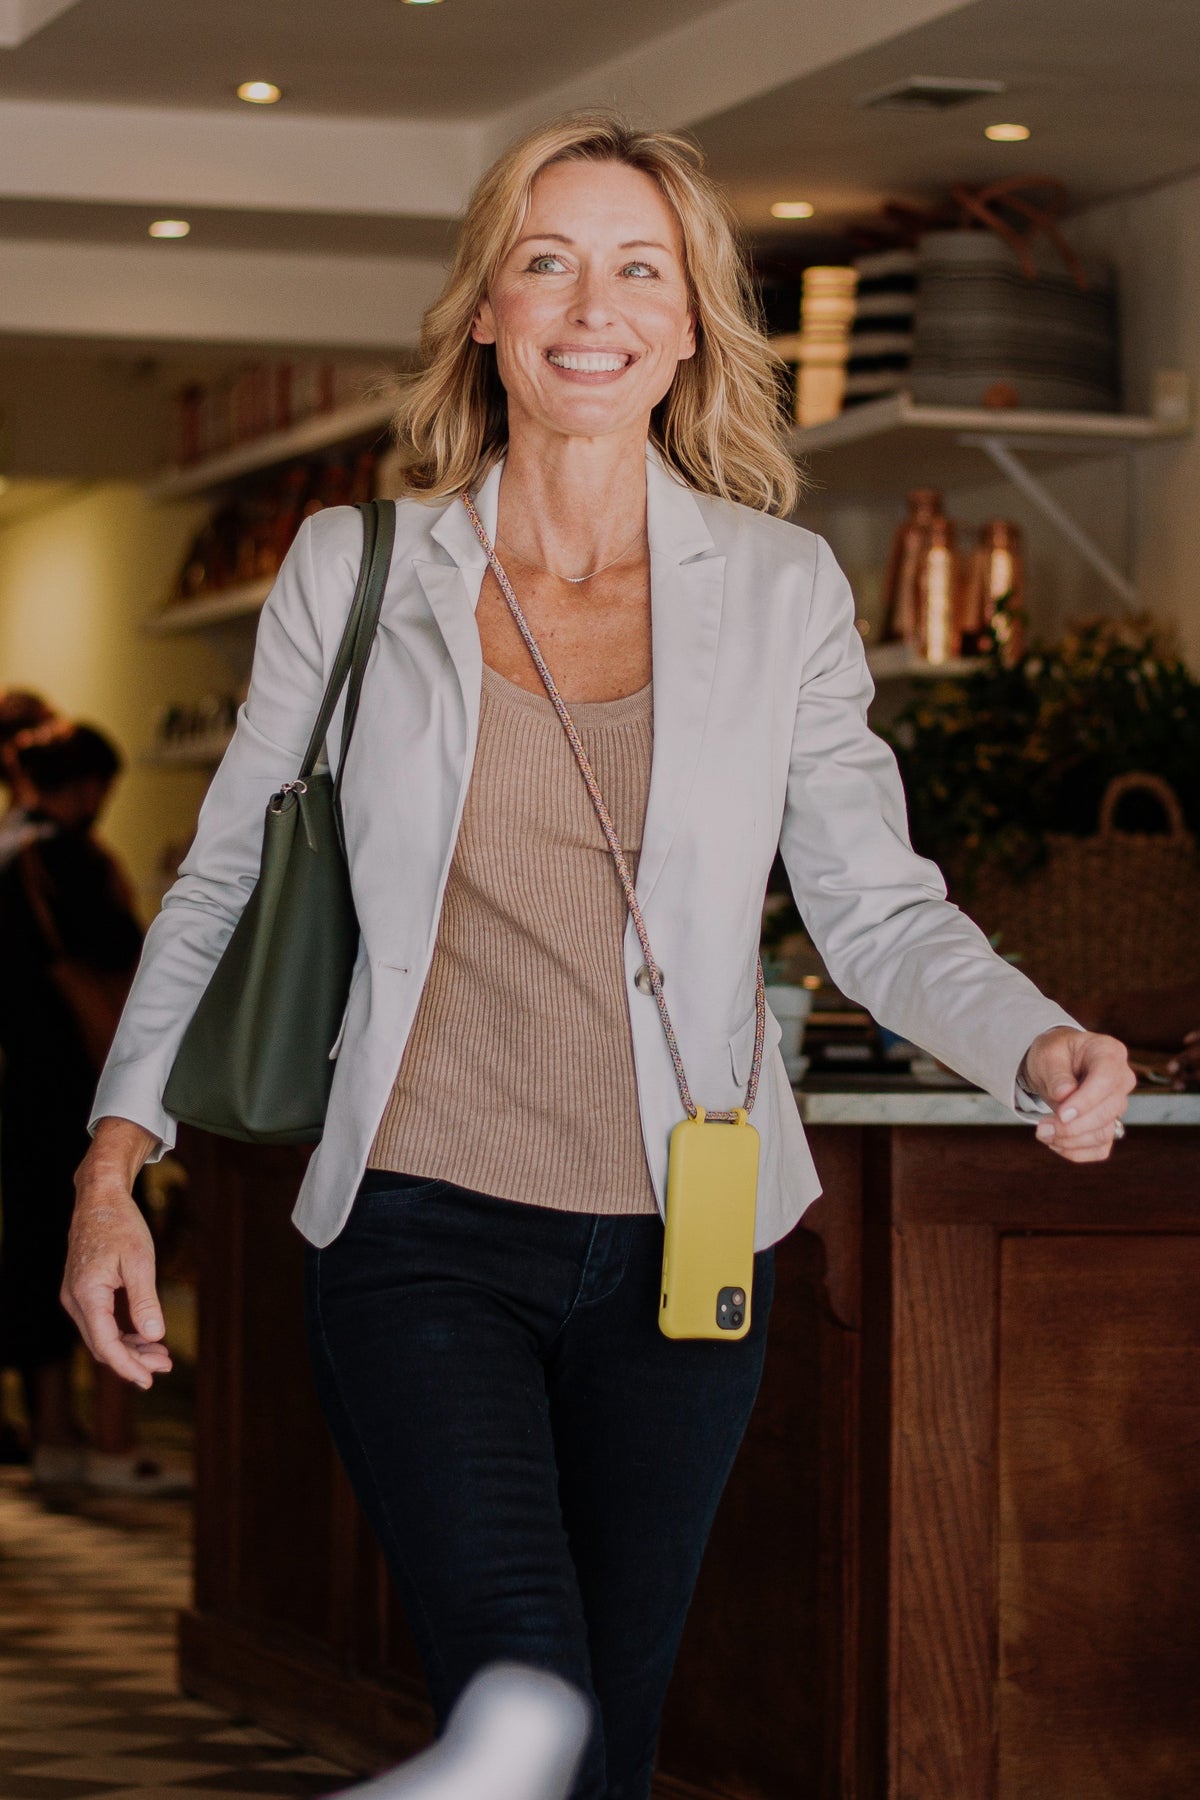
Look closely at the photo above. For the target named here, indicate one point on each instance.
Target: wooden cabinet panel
(1044, 1488)
(746, 1711)
(1099, 1517)
(943, 1480)
(266, 1486)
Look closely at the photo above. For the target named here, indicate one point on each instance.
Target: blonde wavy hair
(718, 426)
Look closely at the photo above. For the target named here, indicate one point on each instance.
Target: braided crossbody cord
(618, 854)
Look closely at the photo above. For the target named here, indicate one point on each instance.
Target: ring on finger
(1118, 1129)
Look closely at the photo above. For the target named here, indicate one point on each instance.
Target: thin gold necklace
(575, 580)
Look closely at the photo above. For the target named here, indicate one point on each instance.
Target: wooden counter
(956, 1560)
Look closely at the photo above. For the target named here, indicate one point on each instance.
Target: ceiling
(1110, 89)
(341, 202)
(226, 228)
(363, 59)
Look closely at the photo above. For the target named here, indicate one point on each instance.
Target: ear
(687, 341)
(483, 325)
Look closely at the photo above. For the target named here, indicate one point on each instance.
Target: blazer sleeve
(877, 912)
(218, 875)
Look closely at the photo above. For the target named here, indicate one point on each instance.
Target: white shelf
(896, 443)
(321, 432)
(891, 445)
(900, 662)
(191, 753)
(242, 602)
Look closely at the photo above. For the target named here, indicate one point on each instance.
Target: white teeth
(590, 362)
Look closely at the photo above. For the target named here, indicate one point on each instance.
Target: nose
(591, 306)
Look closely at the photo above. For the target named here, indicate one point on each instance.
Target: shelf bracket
(1039, 496)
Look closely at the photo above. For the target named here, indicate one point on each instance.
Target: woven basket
(1105, 914)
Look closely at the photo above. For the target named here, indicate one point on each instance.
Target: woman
(62, 900)
(540, 1463)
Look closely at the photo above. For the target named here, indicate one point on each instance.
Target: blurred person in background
(69, 942)
(20, 710)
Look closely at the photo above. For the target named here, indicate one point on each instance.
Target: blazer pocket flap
(741, 1045)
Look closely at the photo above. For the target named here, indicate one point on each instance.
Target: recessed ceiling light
(169, 228)
(260, 93)
(1007, 134)
(422, 2)
(793, 209)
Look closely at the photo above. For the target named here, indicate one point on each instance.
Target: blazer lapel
(450, 602)
(687, 588)
(452, 588)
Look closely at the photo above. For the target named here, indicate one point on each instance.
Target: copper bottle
(938, 595)
(993, 610)
(901, 617)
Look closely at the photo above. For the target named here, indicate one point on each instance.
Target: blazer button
(643, 983)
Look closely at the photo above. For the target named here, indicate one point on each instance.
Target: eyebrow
(557, 237)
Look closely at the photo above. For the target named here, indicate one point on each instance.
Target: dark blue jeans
(539, 1463)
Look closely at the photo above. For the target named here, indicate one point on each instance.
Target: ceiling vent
(931, 93)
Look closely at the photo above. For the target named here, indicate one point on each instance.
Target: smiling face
(589, 311)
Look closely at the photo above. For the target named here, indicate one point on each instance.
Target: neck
(570, 504)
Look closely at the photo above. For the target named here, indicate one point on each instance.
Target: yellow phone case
(708, 1254)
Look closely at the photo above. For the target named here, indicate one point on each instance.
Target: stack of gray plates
(986, 333)
(881, 337)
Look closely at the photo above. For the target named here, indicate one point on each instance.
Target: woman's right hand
(111, 1252)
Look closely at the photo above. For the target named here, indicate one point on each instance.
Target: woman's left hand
(1087, 1079)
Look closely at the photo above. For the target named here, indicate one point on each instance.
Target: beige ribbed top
(517, 1079)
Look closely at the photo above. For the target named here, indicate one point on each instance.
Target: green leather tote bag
(254, 1062)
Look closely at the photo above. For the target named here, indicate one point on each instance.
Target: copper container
(993, 601)
(937, 595)
(902, 579)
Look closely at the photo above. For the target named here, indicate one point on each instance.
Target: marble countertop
(891, 1102)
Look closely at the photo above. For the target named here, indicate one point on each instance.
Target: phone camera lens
(731, 1308)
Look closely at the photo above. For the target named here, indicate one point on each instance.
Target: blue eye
(647, 269)
(535, 265)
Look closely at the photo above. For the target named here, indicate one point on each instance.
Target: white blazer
(760, 739)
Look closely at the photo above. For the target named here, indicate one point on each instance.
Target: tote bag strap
(350, 663)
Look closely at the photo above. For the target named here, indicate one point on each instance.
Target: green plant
(995, 761)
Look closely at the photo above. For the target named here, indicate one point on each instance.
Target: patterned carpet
(88, 1701)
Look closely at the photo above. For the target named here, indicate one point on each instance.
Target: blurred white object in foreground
(515, 1734)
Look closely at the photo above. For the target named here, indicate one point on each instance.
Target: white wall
(1154, 240)
(76, 581)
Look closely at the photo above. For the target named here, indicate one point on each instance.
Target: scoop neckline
(625, 706)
